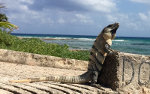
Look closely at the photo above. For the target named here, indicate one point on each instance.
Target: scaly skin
(99, 51)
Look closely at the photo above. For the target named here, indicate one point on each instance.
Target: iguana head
(109, 32)
(112, 28)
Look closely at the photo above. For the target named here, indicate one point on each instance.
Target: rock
(41, 60)
(145, 90)
(126, 72)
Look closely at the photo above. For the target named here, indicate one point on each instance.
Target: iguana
(99, 51)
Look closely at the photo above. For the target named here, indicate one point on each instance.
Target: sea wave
(144, 44)
(85, 39)
(118, 40)
(68, 38)
(56, 38)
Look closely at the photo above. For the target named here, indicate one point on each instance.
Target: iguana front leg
(94, 80)
(107, 49)
(94, 77)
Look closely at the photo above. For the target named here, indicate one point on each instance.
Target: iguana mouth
(114, 27)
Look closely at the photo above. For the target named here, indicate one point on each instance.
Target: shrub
(37, 46)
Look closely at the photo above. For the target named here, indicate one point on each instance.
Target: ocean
(136, 45)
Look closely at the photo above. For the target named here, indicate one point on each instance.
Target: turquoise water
(134, 45)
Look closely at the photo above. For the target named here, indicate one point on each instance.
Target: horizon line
(74, 35)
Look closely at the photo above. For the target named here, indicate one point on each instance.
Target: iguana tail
(86, 77)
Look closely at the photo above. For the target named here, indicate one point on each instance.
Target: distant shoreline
(43, 38)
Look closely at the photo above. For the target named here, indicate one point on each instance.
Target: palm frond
(7, 25)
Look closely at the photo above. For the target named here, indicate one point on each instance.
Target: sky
(79, 17)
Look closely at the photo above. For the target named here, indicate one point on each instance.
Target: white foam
(57, 38)
(118, 40)
(69, 38)
(85, 39)
(61, 38)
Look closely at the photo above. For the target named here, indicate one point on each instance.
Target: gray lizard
(99, 51)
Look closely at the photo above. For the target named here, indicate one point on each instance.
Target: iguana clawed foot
(108, 49)
(97, 86)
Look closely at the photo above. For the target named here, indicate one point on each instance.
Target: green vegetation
(7, 26)
(33, 45)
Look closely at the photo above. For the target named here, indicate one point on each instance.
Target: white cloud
(61, 21)
(46, 21)
(117, 17)
(26, 1)
(143, 16)
(20, 12)
(141, 1)
(83, 18)
(134, 24)
(111, 18)
(98, 5)
(124, 19)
